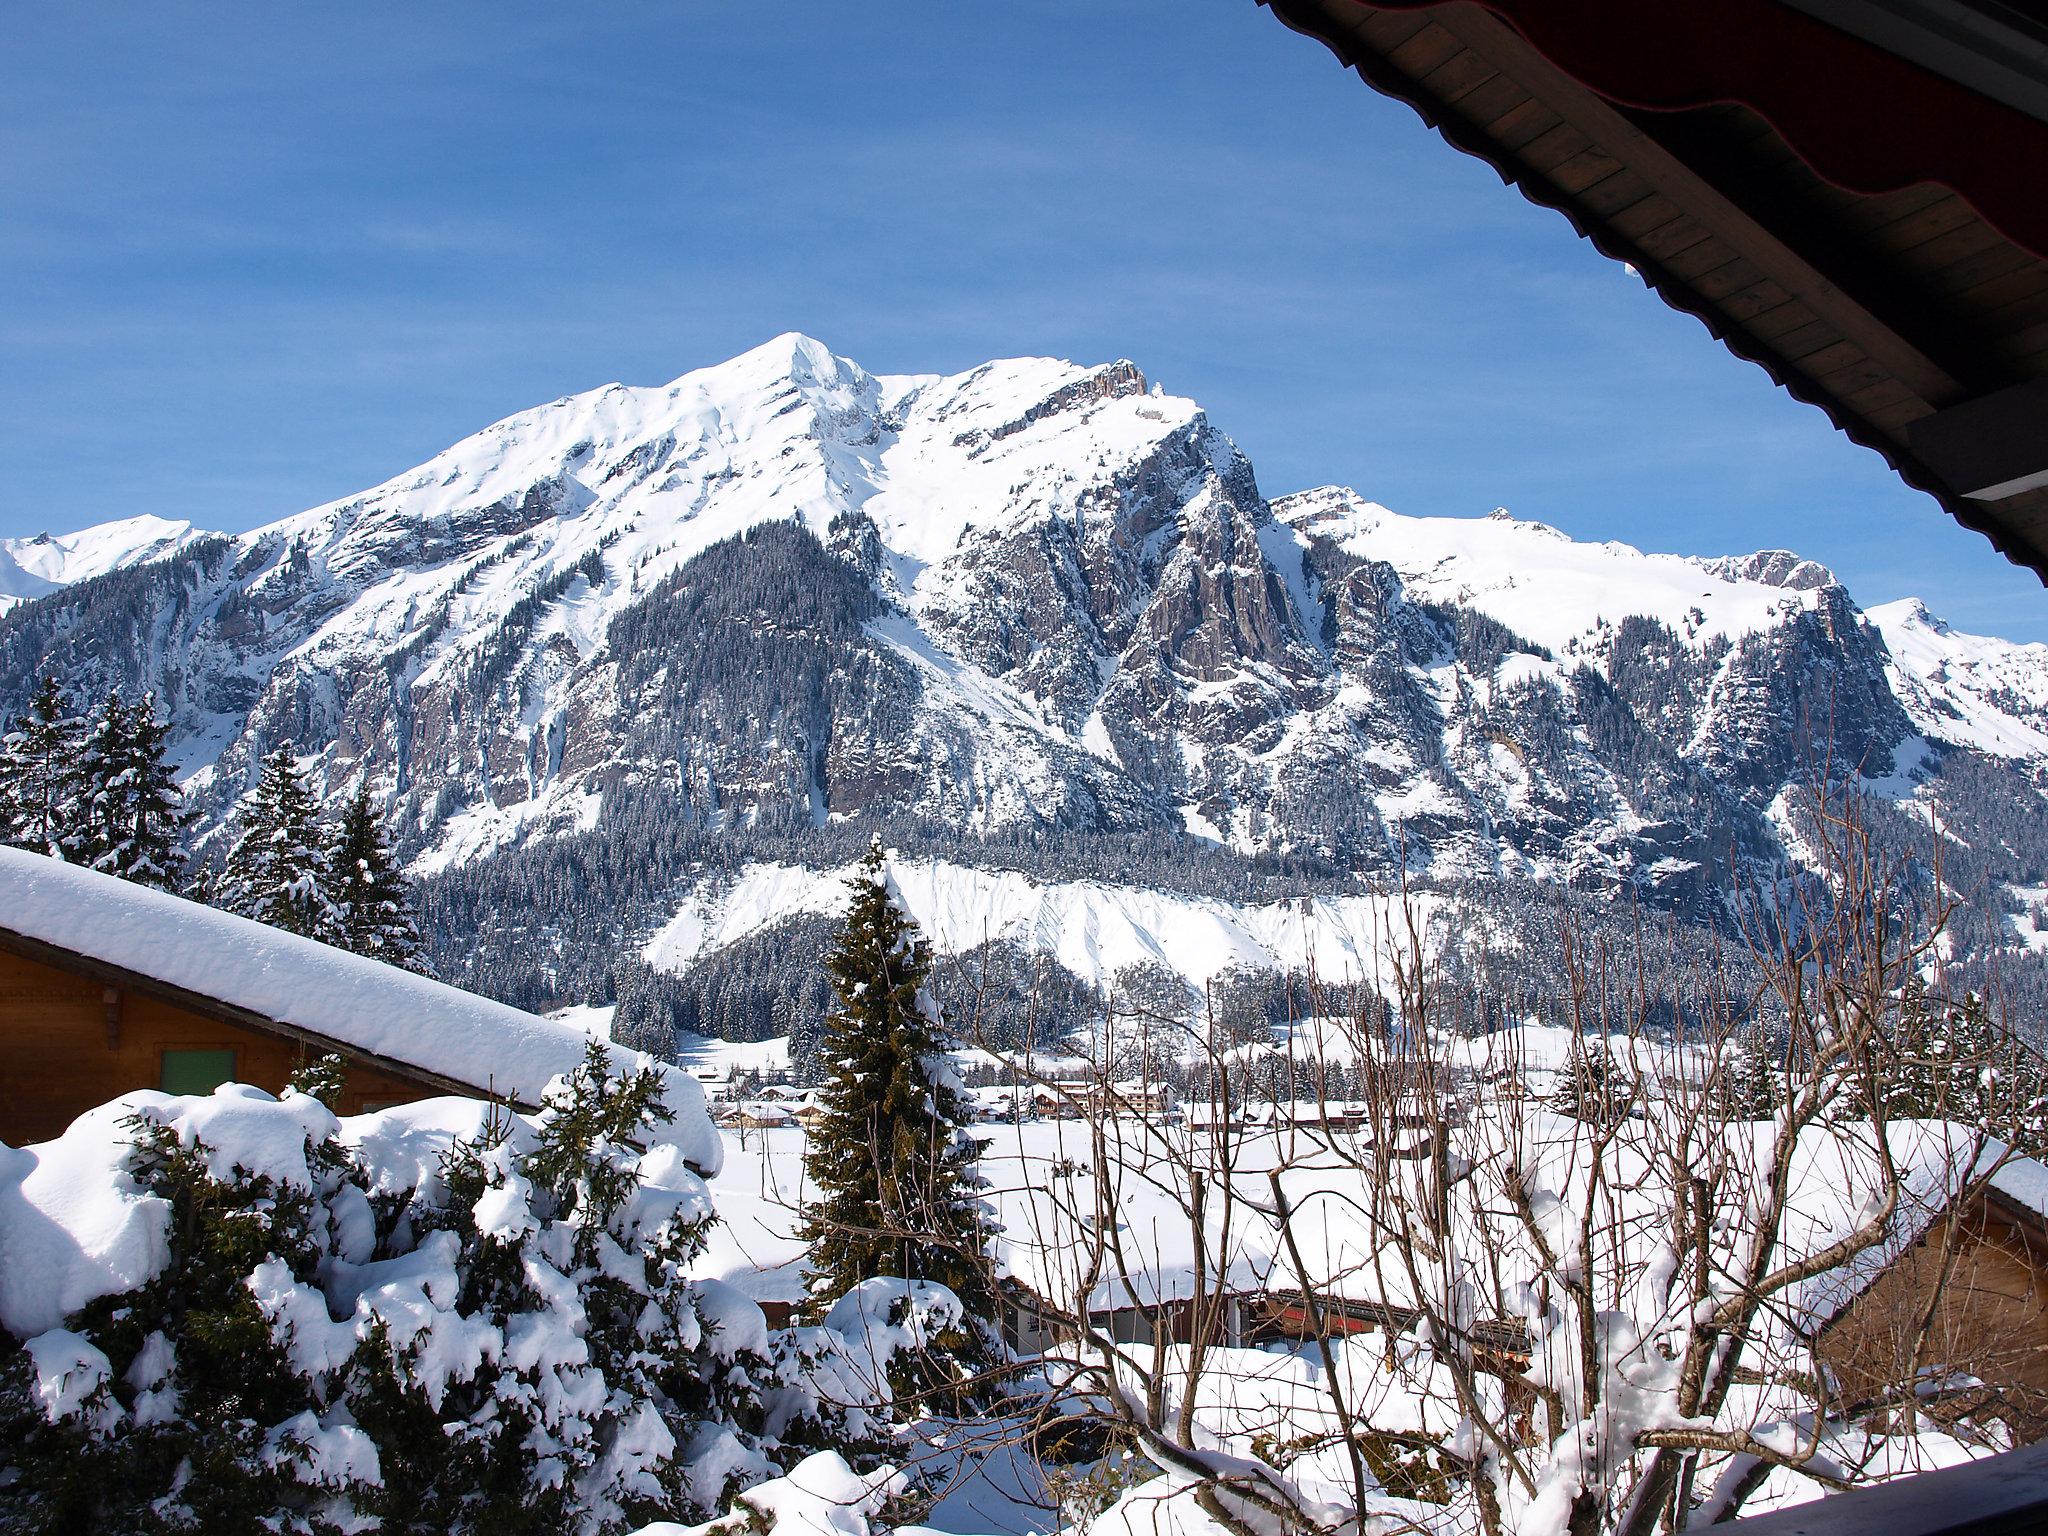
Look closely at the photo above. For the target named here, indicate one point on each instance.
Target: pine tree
(274, 869)
(1752, 1075)
(1957, 1062)
(39, 775)
(1593, 1089)
(129, 807)
(891, 1158)
(371, 901)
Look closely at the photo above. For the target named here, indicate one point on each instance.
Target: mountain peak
(782, 591)
(1772, 568)
(801, 359)
(1905, 611)
(43, 562)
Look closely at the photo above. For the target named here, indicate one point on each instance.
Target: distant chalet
(108, 987)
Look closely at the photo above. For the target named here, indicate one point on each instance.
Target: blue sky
(254, 257)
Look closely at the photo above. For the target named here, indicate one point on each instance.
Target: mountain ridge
(1032, 597)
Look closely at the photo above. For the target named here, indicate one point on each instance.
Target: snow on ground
(555, 809)
(719, 1060)
(353, 1001)
(1094, 930)
(590, 1018)
(1042, 1180)
(704, 1057)
(1036, 1190)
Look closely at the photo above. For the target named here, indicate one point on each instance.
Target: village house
(1076, 1098)
(107, 987)
(1969, 1292)
(1031, 1324)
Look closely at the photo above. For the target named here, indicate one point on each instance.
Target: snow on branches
(239, 1313)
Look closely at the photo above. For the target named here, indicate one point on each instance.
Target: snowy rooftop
(357, 1003)
(1043, 1191)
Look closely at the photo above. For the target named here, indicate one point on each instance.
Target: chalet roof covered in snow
(252, 974)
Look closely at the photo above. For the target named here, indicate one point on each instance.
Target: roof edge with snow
(245, 973)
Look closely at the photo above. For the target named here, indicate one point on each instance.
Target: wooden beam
(1991, 448)
(2003, 1495)
(1706, 245)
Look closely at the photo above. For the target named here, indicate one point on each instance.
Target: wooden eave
(1915, 324)
(104, 974)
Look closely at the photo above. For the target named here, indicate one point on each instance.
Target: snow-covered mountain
(38, 565)
(1973, 690)
(1095, 930)
(1036, 598)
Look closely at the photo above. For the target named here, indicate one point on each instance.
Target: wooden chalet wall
(69, 1042)
(1987, 1281)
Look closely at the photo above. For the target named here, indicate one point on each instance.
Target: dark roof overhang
(1859, 211)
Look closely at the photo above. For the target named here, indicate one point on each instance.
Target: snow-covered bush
(240, 1313)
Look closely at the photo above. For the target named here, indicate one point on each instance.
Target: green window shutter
(197, 1071)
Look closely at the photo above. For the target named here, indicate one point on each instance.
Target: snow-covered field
(1096, 931)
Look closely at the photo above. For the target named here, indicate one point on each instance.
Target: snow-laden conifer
(371, 901)
(1752, 1074)
(1592, 1088)
(1957, 1062)
(39, 774)
(363, 1325)
(129, 808)
(893, 1164)
(274, 869)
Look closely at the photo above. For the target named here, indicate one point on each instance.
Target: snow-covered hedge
(235, 1312)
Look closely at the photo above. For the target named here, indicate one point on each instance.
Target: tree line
(99, 791)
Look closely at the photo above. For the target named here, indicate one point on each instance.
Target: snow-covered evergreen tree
(1957, 1062)
(1751, 1080)
(39, 774)
(370, 898)
(891, 1158)
(1592, 1088)
(520, 1348)
(274, 869)
(130, 810)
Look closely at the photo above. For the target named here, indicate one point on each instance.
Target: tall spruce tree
(39, 775)
(369, 896)
(898, 1192)
(130, 812)
(1958, 1062)
(1751, 1081)
(274, 869)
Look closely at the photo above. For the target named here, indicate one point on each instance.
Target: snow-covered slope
(1546, 587)
(1973, 690)
(782, 593)
(31, 567)
(1098, 932)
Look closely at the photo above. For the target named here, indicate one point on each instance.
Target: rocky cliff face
(785, 593)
